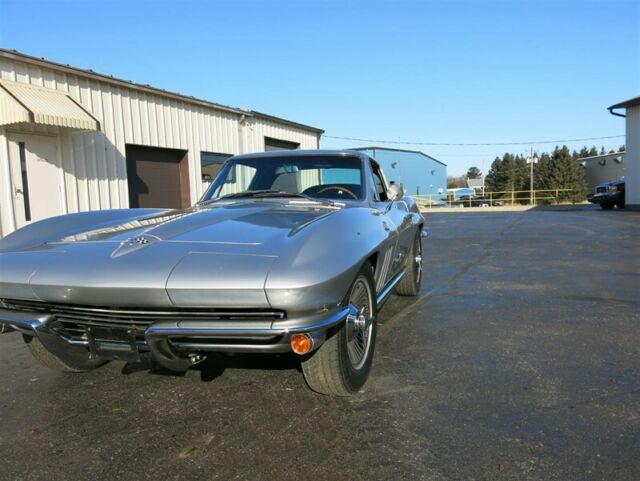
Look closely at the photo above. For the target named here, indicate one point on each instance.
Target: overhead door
(157, 177)
(277, 144)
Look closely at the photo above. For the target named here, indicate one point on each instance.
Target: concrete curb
(516, 208)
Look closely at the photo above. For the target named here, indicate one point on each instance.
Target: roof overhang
(39, 105)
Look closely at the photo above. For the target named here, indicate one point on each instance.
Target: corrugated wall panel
(94, 163)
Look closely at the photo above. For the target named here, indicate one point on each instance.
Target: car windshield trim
(318, 178)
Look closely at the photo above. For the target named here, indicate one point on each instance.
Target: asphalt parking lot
(520, 361)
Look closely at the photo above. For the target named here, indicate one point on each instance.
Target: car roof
(303, 153)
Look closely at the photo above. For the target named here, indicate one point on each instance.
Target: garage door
(157, 177)
(277, 144)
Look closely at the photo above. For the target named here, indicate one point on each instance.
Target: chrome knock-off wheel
(341, 365)
(410, 283)
(418, 259)
(359, 326)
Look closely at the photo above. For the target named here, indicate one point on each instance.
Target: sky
(393, 71)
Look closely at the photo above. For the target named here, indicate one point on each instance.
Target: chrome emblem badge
(134, 244)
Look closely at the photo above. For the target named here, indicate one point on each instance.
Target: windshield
(321, 177)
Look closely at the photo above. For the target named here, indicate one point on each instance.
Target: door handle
(386, 226)
(17, 191)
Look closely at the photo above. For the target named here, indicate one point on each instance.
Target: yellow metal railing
(494, 199)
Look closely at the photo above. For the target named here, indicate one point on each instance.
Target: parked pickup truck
(609, 194)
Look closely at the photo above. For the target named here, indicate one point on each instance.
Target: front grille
(71, 321)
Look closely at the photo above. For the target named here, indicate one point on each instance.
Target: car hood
(241, 223)
(213, 255)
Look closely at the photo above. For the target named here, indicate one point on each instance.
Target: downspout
(243, 118)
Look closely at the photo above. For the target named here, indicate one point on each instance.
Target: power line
(476, 144)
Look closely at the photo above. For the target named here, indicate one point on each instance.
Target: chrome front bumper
(172, 342)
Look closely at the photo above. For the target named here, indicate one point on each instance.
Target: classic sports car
(286, 251)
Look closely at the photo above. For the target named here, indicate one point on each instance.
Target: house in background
(417, 172)
(477, 185)
(602, 168)
(73, 140)
(632, 153)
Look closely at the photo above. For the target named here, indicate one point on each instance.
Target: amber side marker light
(301, 343)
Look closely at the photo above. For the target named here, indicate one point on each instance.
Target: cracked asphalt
(519, 361)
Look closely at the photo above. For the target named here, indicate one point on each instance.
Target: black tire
(330, 370)
(51, 361)
(409, 285)
(607, 205)
(620, 202)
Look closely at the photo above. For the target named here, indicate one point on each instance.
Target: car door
(395, 219)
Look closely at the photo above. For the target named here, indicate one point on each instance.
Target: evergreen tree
(556, 170)
(561, 170)
(507, 174)
(474, 173)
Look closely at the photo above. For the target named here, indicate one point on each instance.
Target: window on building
(210, 164)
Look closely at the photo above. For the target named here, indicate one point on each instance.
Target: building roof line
(110, 79)
(285, 121)
(633, 102)
(373, 147)
(600, 156)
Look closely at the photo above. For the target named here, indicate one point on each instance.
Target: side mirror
(395, 192)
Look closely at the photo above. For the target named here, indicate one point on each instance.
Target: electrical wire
(471, 144)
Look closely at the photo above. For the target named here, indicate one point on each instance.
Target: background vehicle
(287, 251)
(609, 194)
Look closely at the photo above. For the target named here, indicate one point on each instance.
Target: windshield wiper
(248, 193)
(267, 193)
(237, 195)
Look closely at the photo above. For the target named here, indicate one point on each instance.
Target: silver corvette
(286, 251)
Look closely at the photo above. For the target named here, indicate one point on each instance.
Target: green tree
(561, 170)
(474, 173)
(508, 173)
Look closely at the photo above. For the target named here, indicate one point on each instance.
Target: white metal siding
(94, 163)
(632, 157)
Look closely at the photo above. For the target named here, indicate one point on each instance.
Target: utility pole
(531, 161)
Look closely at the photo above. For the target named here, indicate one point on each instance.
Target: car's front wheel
(607, 205)
(51, 361)
(341, 365)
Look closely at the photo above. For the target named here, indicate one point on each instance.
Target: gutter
(615, 113)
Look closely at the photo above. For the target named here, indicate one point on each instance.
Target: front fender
(318, 265)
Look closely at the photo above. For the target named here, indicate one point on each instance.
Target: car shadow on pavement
(214, 365)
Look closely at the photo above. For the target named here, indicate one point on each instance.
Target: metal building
(417, 172)
(602, 168)
(631, 115)
(73, 140)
